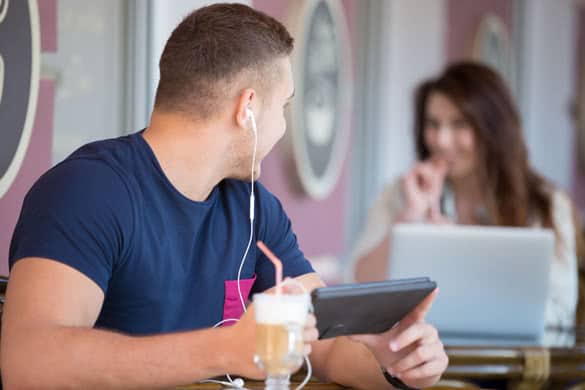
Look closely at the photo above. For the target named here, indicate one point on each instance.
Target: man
(126, 253)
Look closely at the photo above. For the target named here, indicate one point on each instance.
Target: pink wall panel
(38, 155)
(463, 17)
(36, 162)
(319, 225)
(48, 16)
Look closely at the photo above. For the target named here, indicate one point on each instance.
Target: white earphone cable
(239, 382)
(252, 208)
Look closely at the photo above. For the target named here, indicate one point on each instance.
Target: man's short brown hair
(210, 49)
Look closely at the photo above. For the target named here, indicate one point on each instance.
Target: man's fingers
(310, 332)
(291, 286)
(418, 356)
(311, 321)
(310, 335)
(421, 310)
(417, 332)
(429, 369)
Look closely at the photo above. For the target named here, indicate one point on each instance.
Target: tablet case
(367, 307)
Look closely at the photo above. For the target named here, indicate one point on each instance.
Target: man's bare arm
(48, 339)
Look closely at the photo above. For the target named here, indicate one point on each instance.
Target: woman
(473, 169)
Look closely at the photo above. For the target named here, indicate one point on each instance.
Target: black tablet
(367, 307)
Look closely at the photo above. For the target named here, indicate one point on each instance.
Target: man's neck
(190, 156)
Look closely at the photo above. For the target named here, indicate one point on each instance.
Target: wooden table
(260, 386)
(295, 381)
(555, 367)
(520, 367)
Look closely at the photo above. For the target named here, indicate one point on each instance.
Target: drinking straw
(277, 265)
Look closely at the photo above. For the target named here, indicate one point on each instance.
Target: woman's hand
(422, 187)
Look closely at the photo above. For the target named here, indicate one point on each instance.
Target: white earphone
(237, 383)
(250, 116)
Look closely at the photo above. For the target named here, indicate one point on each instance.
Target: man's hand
(411, 351)
(244, 342)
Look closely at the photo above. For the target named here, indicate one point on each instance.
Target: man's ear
(245, 103)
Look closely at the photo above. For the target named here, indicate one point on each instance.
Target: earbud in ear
(250, 115)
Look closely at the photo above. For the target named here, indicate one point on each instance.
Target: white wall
(414, 44)
(88, 71)
(547, 85)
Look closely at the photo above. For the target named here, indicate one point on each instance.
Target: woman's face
(449, 137)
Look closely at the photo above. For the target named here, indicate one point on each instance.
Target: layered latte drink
(280, 321)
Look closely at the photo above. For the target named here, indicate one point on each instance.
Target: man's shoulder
(91, 175)
(106, 163)
(77, 186)
(84, 174)
(112, 152)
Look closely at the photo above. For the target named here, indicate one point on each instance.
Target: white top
(563, 290)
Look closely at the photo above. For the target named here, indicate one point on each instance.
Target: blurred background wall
(99, 72)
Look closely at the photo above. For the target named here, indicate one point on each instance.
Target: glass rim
(294, 297)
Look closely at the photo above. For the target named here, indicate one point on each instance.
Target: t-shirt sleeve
(275, 230)
(80, 214)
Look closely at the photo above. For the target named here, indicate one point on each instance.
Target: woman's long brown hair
(515, 192)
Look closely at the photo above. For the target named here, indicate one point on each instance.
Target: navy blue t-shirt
(164, 262)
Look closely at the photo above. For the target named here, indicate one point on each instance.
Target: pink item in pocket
(232, 307)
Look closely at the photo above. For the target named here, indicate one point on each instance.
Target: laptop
(493, 281)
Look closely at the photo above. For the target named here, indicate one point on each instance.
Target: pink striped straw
(277, 265)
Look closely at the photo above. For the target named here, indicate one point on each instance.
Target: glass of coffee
(280, 322)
